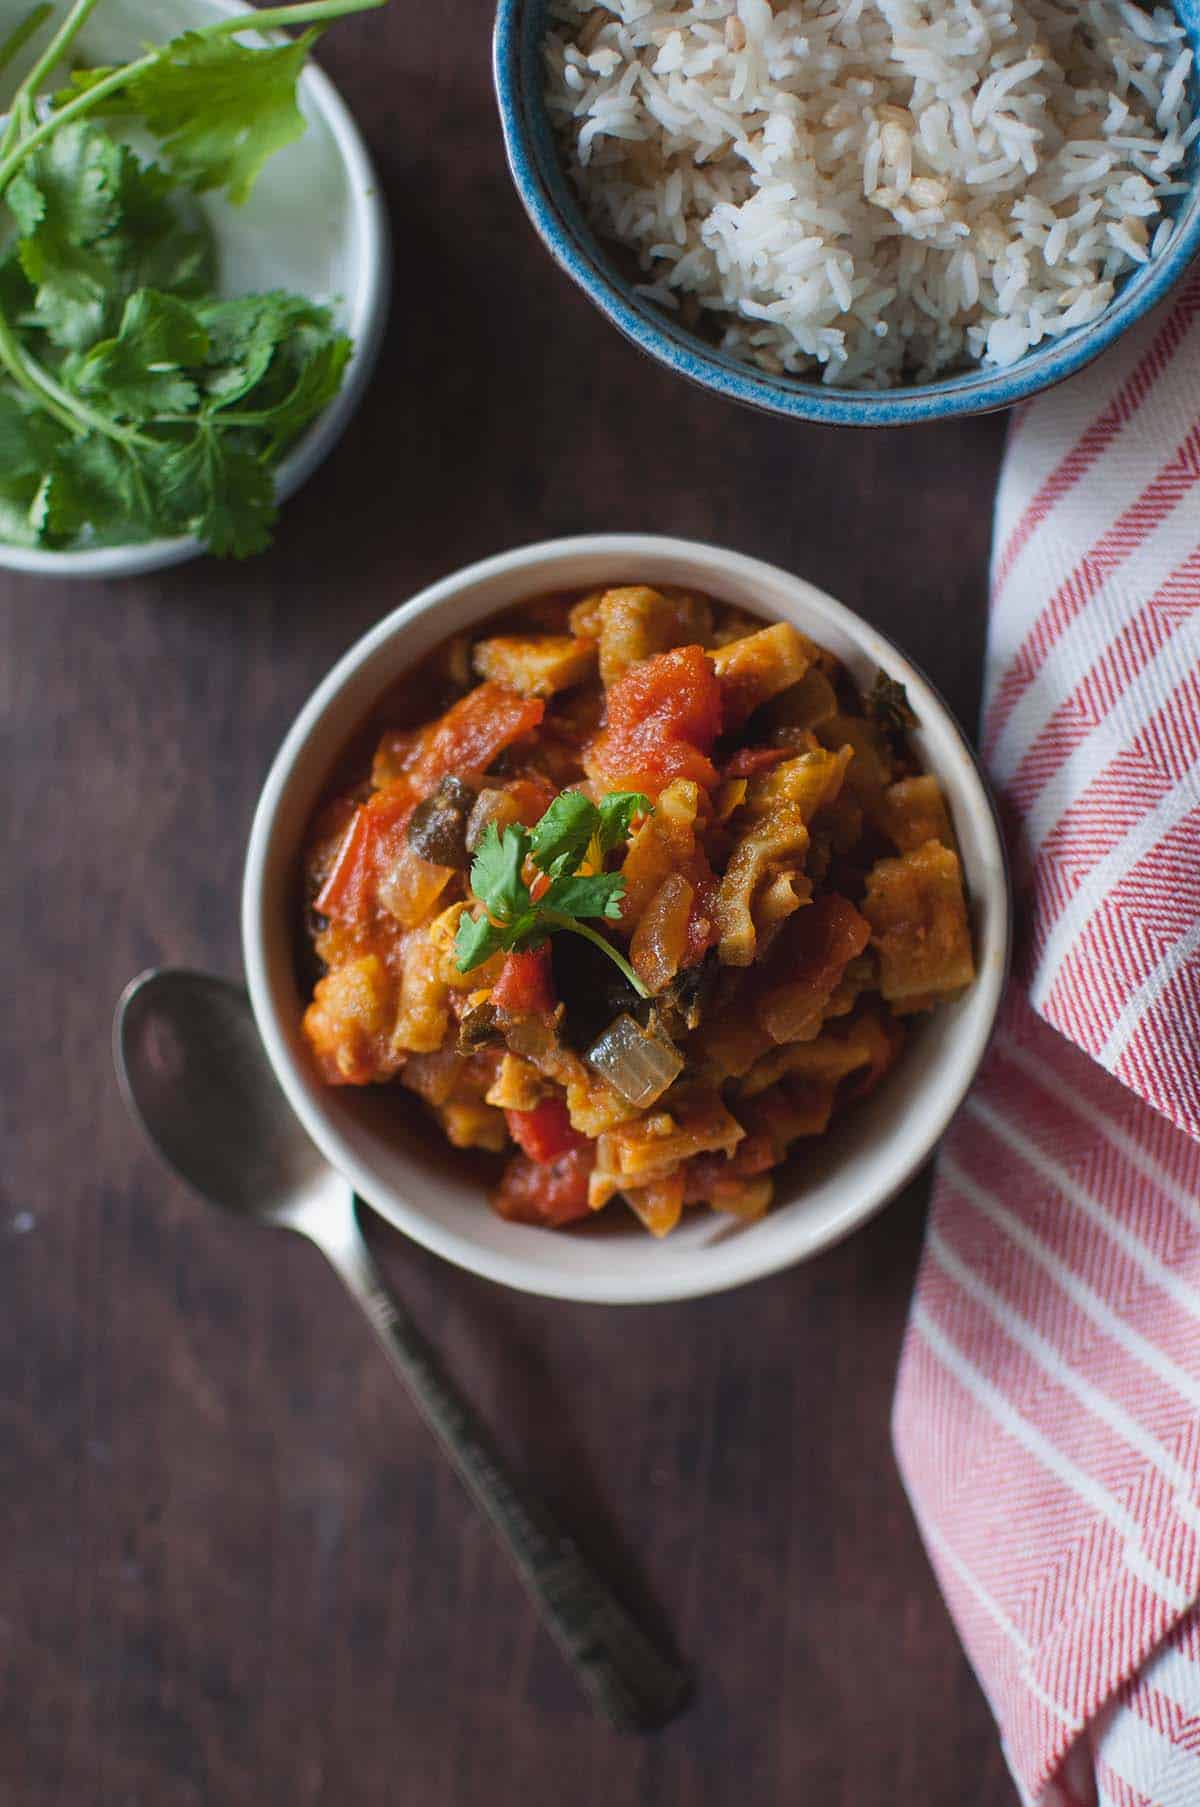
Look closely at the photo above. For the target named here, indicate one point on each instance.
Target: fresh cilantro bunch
(572, 831)
(133, 401)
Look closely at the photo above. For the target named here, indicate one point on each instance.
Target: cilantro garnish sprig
(134, 402)
(573, 831)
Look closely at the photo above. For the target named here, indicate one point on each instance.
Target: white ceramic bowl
(396, 1157)
(315, 224)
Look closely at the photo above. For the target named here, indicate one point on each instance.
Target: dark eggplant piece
(437, 828)
(479, 1028)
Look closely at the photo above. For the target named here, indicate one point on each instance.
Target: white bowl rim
(740, 1263)
(366, 320)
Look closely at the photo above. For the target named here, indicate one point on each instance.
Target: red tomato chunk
(663, 717)
(470, 735)
(551, 1194)
(705, 1174)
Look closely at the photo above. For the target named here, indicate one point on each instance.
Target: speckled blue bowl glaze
(556, 213)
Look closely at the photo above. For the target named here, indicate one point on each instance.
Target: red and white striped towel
(1047, 1418)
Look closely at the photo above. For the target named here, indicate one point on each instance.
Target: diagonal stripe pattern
(1047, 1414)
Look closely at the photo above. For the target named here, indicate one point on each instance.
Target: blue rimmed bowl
(557, 214)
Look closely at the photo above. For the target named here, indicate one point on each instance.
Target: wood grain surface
(232, 1572)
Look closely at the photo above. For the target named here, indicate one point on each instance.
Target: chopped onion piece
(496, 806)
(411, 886)
(638, 1065)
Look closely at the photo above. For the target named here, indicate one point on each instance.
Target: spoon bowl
(192, 1071)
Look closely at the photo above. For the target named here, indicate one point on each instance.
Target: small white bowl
(396, 1158)
(315, 224)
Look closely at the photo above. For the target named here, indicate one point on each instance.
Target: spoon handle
(632, 1683)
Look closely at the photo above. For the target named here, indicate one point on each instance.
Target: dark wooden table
(233, 1573)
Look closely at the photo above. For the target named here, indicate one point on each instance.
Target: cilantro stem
(20, 35)
(263, 19)
(20, 114)
(270, 18)
(16, 361)
(68, 409)
(83, 103)
(580, 928)
(70, 28)
(83, 411)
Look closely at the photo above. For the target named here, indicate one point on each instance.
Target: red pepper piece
(373, 841)
(526, 984)
(545, 1132)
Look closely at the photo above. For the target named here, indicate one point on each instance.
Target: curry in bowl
(651, 895)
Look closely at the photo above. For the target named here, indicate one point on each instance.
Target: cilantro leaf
(317, 382)
(315, 387)
(114, 487)
(96, 224)
(244, 335)
(36, 503)
(585, 895)
(220, 492)
(616, 812)
(22, 438)
(25, 200)
(561, 838)
(65, 199)
(475, 941)
(164, 241)
(17, 294)
(72, 181)
(573, 823)
(219, 108)
(57, 512)
(496, 872)
(557, 845)
(18, 523)
(141, 371)
(48, 496)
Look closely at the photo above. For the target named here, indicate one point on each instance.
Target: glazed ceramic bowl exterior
(314, 224)
(395, 1154)
(555, 210)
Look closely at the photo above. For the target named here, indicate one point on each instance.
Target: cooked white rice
(884, 189)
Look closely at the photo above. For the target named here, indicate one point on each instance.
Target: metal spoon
(194, 1075)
